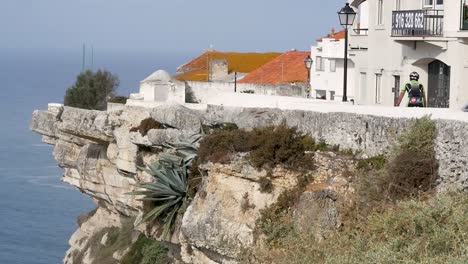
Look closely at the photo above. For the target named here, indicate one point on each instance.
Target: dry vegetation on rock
(394, 217)
(267, 147)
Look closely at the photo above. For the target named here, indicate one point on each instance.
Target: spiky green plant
(168, 190)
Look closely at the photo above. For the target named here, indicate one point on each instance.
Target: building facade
(326, 75)
(392, 38)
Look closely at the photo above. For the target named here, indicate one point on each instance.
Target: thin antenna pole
(92, 57)
(83, 59)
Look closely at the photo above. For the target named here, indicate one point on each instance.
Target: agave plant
(168, 190)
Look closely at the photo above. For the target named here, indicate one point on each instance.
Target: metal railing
(418, 23)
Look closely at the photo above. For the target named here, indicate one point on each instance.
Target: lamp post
(346, 16)
(308, 64)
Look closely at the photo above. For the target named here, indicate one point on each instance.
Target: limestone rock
(86, 123)
(45, 123)
(97, 220)
(221, 219)
(317, 213)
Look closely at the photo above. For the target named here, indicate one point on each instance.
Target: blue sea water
(37, 211)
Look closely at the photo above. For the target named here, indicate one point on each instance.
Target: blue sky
(173, 26)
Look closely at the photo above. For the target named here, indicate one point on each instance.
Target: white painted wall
(204, 92)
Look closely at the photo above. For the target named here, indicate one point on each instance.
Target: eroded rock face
(221, 219)
(318, 209)
(93, 223)
(100, 157)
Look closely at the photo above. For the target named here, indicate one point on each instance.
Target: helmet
(414, 76)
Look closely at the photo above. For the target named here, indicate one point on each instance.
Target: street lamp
(346, 16)
(308, 64)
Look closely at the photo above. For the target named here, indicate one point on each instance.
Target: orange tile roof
(197, 69)
(287, 68)
(334, 35)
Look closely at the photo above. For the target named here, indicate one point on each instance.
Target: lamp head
(347, 16)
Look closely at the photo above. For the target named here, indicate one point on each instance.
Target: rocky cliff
(100, 156)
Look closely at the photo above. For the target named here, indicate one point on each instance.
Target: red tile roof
(197, 69)
(288, 67)
(334, 35)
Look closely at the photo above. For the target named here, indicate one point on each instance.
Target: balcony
(418, 23)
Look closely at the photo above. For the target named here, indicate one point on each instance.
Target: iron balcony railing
(418, 23)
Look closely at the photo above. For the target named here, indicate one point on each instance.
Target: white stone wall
(206, 92)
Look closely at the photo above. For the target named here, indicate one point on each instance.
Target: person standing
(415, 90)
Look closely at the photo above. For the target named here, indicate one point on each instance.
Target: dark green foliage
(118, 99)
(91, 90)
(268, 146)
(146, 251)
(168, 193)
(222, 144)
(146, 125)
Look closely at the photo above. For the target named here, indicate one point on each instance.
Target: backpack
(415, 94)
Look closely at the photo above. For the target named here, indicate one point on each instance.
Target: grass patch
(432, 231)
(146, 251)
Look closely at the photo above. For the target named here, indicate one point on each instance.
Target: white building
(326, 75)
(426, 36)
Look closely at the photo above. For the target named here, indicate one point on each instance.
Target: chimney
(333, 31)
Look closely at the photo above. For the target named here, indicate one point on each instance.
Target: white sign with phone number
(408, 20)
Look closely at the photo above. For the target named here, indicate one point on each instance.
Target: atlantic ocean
(37, 211)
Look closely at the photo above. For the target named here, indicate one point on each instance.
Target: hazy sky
(181, 26)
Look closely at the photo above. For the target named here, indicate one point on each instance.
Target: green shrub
(413, 167)
(276, 145)
(267, 146)
(118, 99)
(146, 125)
(91, 90)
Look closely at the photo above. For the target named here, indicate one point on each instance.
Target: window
(319, 65)
(464, 16)
(428, 3)
(332, 65)
(380, 12)
(398, 5)
(378, 88)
